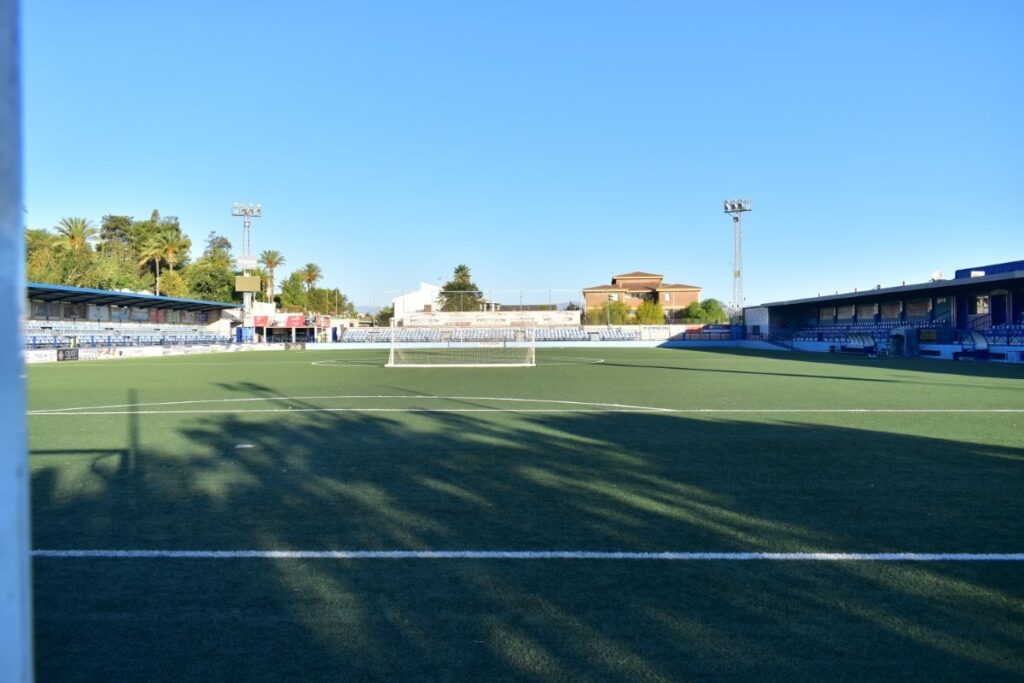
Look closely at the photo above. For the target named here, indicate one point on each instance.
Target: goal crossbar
(466, 347)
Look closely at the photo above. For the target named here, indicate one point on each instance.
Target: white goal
(469, 347)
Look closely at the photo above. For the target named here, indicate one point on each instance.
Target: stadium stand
(61, 316)
(56, 334)
(559, 334)
(1012, 335)
(614, 334)
(979, 313)
(354, 335)
(840, 333)
(426, 335)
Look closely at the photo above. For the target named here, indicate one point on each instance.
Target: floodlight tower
(736, 208)
(247, 261)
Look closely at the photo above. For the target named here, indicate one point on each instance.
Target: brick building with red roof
(633, 288)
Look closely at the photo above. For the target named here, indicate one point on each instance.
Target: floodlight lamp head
(249, 210)
(736, 205)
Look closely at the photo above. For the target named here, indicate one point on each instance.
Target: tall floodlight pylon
(247, 262)
(736, 208)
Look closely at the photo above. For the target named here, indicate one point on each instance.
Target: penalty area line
(525, 555)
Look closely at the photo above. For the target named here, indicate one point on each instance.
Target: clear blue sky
(546, 144)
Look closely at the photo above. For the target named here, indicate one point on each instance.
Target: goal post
(468, 347)
(15, 537)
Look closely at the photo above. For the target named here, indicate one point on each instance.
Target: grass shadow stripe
(526, 555)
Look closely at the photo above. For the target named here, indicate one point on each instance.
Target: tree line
(154, 255)
(650, 312)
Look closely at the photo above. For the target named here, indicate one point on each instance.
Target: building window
(918, 308)
(613, 297)
(891, 310)
(668, 296)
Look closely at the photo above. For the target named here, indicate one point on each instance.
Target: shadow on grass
(500, 481)
(943, 367)
(720, 371)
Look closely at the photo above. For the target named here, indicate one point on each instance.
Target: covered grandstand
(58, 316)
(977, 314)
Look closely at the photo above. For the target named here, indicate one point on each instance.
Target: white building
(425, 299)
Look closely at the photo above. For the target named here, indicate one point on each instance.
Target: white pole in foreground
(15, 598)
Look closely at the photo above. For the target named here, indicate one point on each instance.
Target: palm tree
(153, 250)
(175, 246)
(459, 293)
(264, 275)
(78, 232)
(311, 274)
(271, 259)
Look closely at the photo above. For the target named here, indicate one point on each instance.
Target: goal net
(470, 347)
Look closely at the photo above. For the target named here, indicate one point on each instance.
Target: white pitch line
(525, 555)
(223, 400)
(241, 411)
(845, 410)
(130, 363)
(597, 408)
(133, 408)
(369, 362)
(71, 410)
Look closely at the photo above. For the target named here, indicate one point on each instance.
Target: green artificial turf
(647, 450)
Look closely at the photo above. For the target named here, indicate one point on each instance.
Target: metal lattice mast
(247, 262)
(736, 208)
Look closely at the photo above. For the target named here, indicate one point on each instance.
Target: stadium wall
(583, 345)
(33, 356)
(492, 319)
